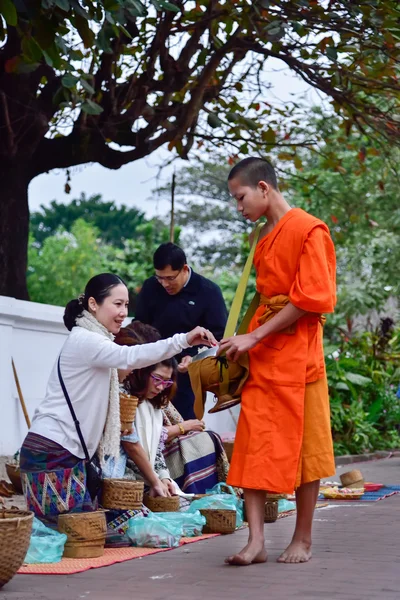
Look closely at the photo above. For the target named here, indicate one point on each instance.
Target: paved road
(356, 557)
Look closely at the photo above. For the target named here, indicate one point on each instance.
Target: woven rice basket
(14, 475)
(352, 479)
(161, 504)
(219, 520)
(127, 410)
(228, 447)
(122, 494)
(86, 534)
(15, 535)
(275, 497)
(271, 512)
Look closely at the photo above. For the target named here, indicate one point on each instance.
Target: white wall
(33, 334)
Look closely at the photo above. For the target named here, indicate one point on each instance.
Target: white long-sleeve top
(86, 360)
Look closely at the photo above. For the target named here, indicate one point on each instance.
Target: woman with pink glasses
(164, 450)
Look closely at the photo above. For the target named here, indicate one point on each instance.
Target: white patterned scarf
(111, 439)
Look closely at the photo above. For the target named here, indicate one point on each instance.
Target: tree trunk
(14, 229)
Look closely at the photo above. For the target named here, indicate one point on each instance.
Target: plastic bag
(46, 545)
(154, 532)
(192, 523)
(285, 505)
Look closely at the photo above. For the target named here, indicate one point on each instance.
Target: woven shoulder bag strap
(237, 303)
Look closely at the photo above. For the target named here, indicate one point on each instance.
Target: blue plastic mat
(385, 492)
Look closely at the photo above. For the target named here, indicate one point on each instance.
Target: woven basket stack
(86, 534)
(127, 410)
(15, 535)
(122, 494)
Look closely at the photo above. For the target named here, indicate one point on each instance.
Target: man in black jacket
(176, 300)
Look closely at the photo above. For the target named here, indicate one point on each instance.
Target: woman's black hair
(99, 288)
(137, 382)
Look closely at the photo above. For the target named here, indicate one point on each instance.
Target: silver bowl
(209, 352)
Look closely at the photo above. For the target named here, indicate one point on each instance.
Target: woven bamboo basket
(14, 475)
(122, 494)
(161, 504)
(219, 520)
(15, 535)
(228, 447)
(275, 497)
(352, 479)
(86, 534)
(271, 512)
(127, 410)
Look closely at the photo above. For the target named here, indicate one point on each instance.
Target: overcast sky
(133, 184)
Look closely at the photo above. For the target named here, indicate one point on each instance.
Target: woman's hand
(234, 346)
(159, 489)
(126, 432)
(201, 336)
(184, 364)
(170, 486)
(194, 425)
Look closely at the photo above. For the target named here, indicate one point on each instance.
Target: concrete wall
(33, 334)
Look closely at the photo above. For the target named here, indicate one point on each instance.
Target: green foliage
(363, 375)
(114, 224)
(352, 183)
(60, 269)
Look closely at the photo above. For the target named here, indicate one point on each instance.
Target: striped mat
(68, 566)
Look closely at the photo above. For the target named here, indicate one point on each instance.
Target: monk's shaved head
(250, 171)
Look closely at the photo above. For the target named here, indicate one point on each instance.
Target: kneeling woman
(80, 413)
(178, 450)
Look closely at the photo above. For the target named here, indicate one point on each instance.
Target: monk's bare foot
(296, 552)
(251, 554)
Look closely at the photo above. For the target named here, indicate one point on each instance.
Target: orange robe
(283, 437)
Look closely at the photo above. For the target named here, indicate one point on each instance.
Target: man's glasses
(166, 383)
(167, 277)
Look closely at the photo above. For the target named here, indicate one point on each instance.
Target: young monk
(283, 440)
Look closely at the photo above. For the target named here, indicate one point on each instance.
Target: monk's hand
(184, 364)
(234, 346)
(200, 336)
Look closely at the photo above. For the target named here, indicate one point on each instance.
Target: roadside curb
(348, 459)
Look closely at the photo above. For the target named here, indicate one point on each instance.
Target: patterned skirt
(53, 479)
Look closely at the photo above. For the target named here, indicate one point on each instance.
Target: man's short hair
(169, 254)
(252, 170)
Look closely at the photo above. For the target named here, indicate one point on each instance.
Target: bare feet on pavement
(296, 552)
(251, 554)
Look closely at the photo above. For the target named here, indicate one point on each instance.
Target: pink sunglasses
(160, 381)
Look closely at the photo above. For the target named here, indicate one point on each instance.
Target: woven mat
(385, 492)
(68, 566)
(287, 513)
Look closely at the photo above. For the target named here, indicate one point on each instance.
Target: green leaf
(269, 137)
(213, 120)
(9, 12)
(63, 4)
(84, 31)
(341, 385)
(164, 5)
(91, 108)
(357, 379)
(87, 87)
(69, 81)
(31, 49)
(331, 53)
